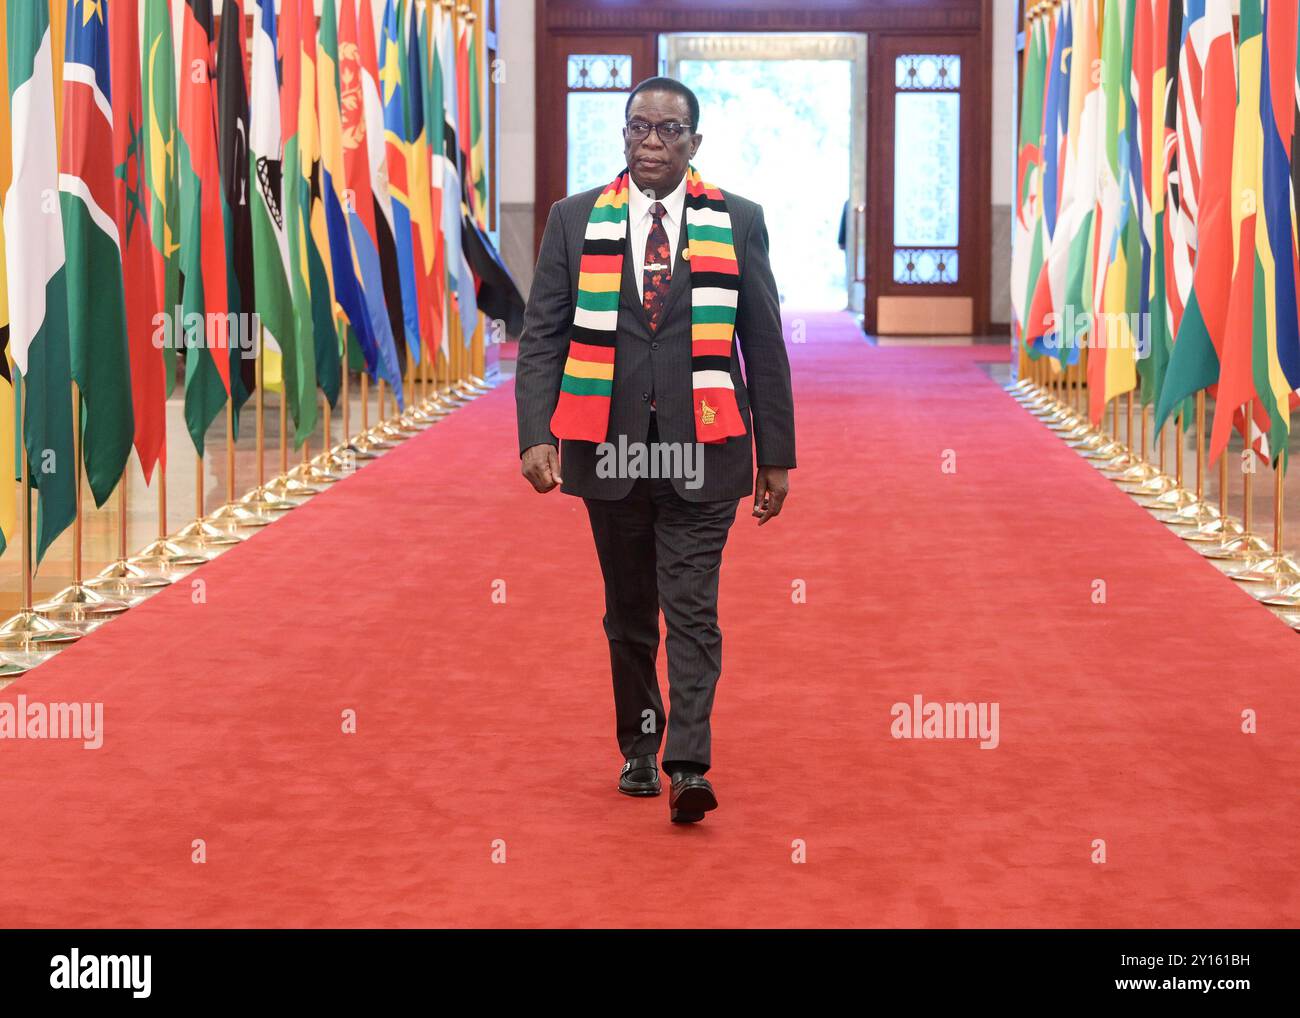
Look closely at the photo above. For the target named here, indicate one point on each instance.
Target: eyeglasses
(669, 132)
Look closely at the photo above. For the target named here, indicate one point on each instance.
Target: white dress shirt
(639, 222)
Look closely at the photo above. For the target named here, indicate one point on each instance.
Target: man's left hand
(770, 488)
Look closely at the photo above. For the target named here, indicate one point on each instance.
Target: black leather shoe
(692, 797)
(640, 776)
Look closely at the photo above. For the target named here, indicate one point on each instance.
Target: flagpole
(1248, 548)
(364, 445)
(1175, 495)
(1213, 521)
(162, 552)
(199, 533)
(236, 513)
(28, 630)
(287, 486)
(122, 579)
(1197, 513)
(260, 499)
(76, 602)
(322, 466)
(384, 430)
(1279, 570)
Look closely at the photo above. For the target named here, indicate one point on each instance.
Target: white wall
(515, 36)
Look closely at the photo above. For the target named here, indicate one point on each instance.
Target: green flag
(37, 273)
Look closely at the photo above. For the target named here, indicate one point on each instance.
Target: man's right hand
(541, 465)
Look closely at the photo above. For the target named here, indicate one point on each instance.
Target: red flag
(200, 172)
(148, 382)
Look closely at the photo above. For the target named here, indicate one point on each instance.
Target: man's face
(658, 166)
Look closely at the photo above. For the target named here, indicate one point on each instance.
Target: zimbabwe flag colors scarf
(583, 409)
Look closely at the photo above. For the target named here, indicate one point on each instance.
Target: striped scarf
(583, 410)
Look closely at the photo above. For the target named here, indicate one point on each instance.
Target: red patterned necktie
(657, 272)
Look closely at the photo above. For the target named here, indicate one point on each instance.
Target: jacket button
(654, 346)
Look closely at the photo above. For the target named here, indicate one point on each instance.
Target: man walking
(643, 290)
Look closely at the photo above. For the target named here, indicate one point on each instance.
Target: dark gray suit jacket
(657, 366)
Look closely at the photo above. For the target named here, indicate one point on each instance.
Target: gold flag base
(338, 462)
(289, 487)
(1118, 465)
(1217, 530)
(1174, 498)
(202, 534)
(1067, 424)
(166, 554)
(1279, 571)
(1245, 548)
(239, 514)
(1197, 514)
(1094, 439)
(125, 575)
(312, 475)
(78, 603)
(1137, 475)
(29, 631)
(371, 443)
(1108, 450)
(435, 404)
(260, 500)
(385, 432)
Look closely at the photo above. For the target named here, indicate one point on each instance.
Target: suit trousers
(659, 551)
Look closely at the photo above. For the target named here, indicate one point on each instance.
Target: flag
(204, 265)
(8, 436)
(1111, 363)
(1085, 125)
(273, 301)
(362, 210)
(1276, 324)
(1166, 306)
(1026, 248)
(392, 81)
(498, 294)
(1236, 383)
(343, 262)
(373, 107)
(297, 115)
(423, 225)
(460, 276)
(37, 282)
(1046, 307)
(232, 89)
(324, 333)
(131, 215)
(101, 362)
(477, 147)
(1199, 341)
(429, 28)
(158, 94)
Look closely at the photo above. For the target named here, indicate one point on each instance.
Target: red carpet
(479, 721)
